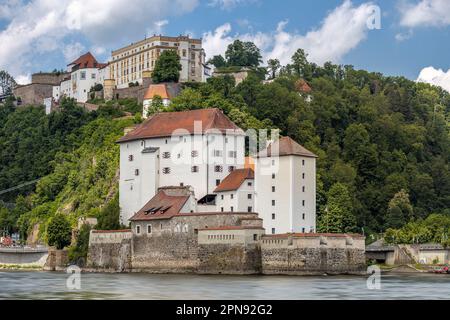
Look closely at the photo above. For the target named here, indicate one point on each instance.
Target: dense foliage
(383, 145)
(59, 232)
(167, 67)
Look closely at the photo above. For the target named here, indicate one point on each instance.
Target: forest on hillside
(383, 145)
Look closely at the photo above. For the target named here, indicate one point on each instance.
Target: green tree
(243, 54)
(78, 252)
(167, 67)
(338, 215)
(59, 232)
(218, 61)
(7, 83)
(273, 65)
(301, 65)
(399, 210)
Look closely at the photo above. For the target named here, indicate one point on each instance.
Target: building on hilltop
(205, 150)
(166, 91)
(129, 63)
(83, 73)
(197, 148)
(40, 88)
(286, 187)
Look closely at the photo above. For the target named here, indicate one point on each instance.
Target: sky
(408, 38)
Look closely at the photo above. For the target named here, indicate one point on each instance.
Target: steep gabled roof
(286, 147)
(166, 123)
(235, 179)
(164, 90)
(86, 61)
(167, 203)
(302, 86)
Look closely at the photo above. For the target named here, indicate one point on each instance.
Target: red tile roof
(167, 203)
(302, 86)
(165, 124)
(313, 235)
(235, 179)
(224, 228)
(287, 147)
(85, 61)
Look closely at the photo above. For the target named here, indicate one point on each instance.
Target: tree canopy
(167, 67)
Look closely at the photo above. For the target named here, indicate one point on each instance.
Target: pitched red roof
(225, 228)
(286, 147)
(235, 179)
(165, 204)
(302, 86)
(164, 90)
(86, 61)
(166, 123)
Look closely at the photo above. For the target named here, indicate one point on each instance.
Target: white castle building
(84, 73)
(205, 150)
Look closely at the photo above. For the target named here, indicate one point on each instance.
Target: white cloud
(436, 77)
(404, 36)
(73, 51)
(48, 25)
(23, 79)
(229, 4)
(8, 8)
(341, 31)
(425, 13)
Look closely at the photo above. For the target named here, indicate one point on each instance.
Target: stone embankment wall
(313, 254)
(110, 250)
(23, 256)
(232, 243)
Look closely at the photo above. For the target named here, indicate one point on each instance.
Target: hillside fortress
(195, 203)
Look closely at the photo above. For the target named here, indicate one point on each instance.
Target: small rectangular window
(273, 216)
(221, 197)
(255, 237)
(136, 172)
(273, 202)
(303, 176)
(195, 169)
(231, 168)
(217, 153)
(232, 154)
(166, 170)
(273, 175)
(232, 196)
(250, 209)
(273, 230)
(130, 157)
(218, 169)
(303, 162)
(149, 228)
(273, 188)
(166, 155)
(217, 182)
(232, 209)
(221, 209)
(303, 230)
(194, 153)
(249, 184)
(303, 189)
(138, 229)
(303, 203)
(249, 196)
(303, 216)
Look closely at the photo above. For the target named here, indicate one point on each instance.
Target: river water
(51, 285)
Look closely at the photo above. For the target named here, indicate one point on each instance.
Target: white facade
(286, 193)
(240, 200)
(78, 86)
(129, 63)
(200, 161)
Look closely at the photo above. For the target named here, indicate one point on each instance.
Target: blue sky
(415, 34)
